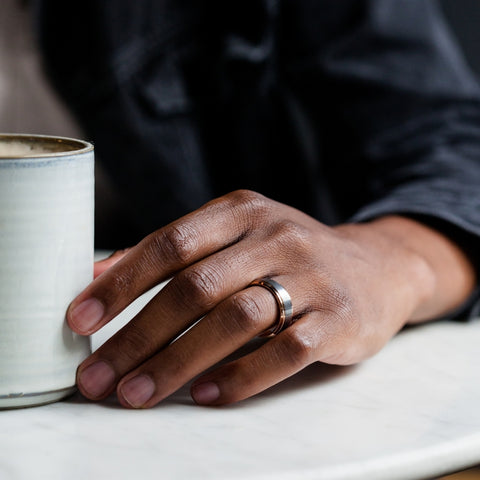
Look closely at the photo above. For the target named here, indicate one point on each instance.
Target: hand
(352, 287)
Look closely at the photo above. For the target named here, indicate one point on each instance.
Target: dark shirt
(347, 110)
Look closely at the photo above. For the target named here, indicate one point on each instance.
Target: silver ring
(284, 303)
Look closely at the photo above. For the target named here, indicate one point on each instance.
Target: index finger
(105, 263)
(218, 224)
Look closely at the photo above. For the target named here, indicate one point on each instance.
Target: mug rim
(77, 146)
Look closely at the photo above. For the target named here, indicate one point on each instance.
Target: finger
(159, 323)
(230, 326)
(217, 225)
(323, 334)
(225, 329)
(283, 356)
(108, 262)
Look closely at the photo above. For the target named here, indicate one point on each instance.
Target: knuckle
(294, 240)
(289, 232)
(176, 363)
(133, 344)
(175, 242)
(200, 285)
(299, 348)
(246, 312)
(121, 285)
(247, 200)
(122, 282)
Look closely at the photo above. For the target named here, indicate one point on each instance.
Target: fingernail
(205, 393)
(97, 378)
(137, 391)
(87, 314)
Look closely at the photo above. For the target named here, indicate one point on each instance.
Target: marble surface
(411, 412)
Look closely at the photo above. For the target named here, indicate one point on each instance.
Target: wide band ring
(284, 303)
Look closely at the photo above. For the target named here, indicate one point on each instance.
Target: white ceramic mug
(46, 259)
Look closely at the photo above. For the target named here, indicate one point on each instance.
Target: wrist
(437, 270)
(406, 236)
(407, 273)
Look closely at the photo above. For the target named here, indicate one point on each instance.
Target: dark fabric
(346, 109)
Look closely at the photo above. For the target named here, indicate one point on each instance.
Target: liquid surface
(24, 146)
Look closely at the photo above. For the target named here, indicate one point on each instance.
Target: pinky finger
(281, 357)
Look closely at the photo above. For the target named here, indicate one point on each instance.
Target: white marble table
(411, 412)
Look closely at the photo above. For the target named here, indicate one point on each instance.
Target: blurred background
(27, 104)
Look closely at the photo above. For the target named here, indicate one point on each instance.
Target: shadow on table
(310, 376)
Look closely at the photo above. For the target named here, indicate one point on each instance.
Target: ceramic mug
(46, 259)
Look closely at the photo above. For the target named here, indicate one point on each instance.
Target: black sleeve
(425, 157)
(408, 111)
